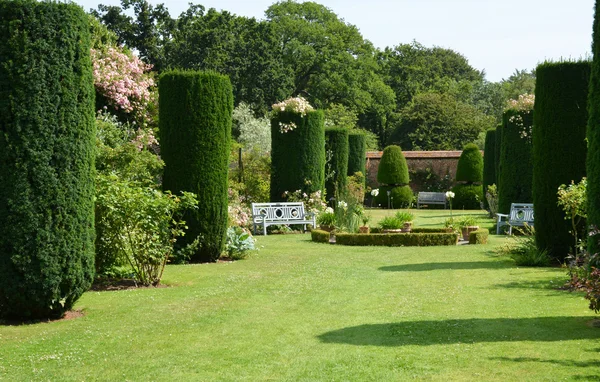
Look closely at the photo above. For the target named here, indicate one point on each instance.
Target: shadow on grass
(449, 265)
(551, 361)
(474, 330)
(538, 284)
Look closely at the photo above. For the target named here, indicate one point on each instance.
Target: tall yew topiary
(297, 155)
(47, 137)
(336, 145)
(393, 174)
(489, 162)
(497, 150)
(195, 131)
(593, 137)
(559, 147)
(357, 155)
(516, 167)
(469, 171)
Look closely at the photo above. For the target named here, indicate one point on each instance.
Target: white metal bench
(431, 198)
(266, 214)
(520, 214)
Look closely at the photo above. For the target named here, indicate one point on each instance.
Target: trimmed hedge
(593, 136)
(479, 237)
(470, 165)
(298, 156)
(516, 171)
(195, 133)
(559, 148)
(357, 155)
(467, 196)
(47, 144)
(418, 230)
(489, 163)
(319, 236)
(393, 169)
(401, 196)
(336, 142)
(497, 150)
(396, 239)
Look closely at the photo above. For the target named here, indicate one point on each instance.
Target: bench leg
(265, 229)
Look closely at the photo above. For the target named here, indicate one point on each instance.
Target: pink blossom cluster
(124, 80)
(145, 138)
(524, 103)
(238, 212)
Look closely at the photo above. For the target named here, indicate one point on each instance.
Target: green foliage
(429, 181)
(524, 251)
(470, 165)
(479, 237)
(337, 115)
(255, 175)
(520, 82)
(319, 236)
(357, 154)
(390, 222)
(465, 221)
(239, 242)
(400, 196)
(393, 169)
(438, 121)
(336, 145)
(573, 201)
(326, 218)
(497, 151)
(489, 163)
(593, 136)
(467, 196)
(298, 156)
(491, 196)
(195, 133)
(396, 239)
(47, 158)
(559, 147)
(252, 132)
(404, 216)
(515, 177)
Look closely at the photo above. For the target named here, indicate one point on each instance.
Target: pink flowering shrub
(238, 211)
(124, 80)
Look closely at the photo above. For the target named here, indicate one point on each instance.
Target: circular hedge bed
(418, 237)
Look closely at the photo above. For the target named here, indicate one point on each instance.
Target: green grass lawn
(304, 311)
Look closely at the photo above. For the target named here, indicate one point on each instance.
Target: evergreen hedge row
(47, 132)
(298, 156)
(516, 170)
(336, 143)
(195, 131)
(497, 150)
(559, 147)
(489, 163)
(479, 237)
(357, 155)
(396, 239)
(319, 236)
(593, 137)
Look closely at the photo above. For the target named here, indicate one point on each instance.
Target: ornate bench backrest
(521, 213)
(284, 211)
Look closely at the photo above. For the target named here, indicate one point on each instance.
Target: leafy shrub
(239, 242)
(467, 196)
(573, 201)
(348, 215)
(559, 147)
(393, 169)
(491, 196)
(429, 181)
(465, 221)
(46, 158)
(523, 250)
(479, 237)
(405, 216)
(252, 179)
(326, 218)
(313, 203)
(252, 132)
(319, 236)
(396, 239)
(400, 196)
(356, 187)
(195, 134)
(470, 165)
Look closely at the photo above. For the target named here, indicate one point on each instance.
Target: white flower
(328, 210)
(375, 192)
(450, 195)
(342, 204)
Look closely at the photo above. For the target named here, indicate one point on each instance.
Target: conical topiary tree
(469, 171)
(489, 163)
(593, 137)
(393, 175)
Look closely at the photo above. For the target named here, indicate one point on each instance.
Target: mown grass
(298, 310)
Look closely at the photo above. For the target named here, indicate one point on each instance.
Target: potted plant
(406, 218)
(467, 224)
(365, 219)
(391, 224)
(326, 220)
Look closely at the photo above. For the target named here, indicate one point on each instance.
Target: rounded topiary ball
(467, 196)
(402, 196)
(393, 169)
(470, 165)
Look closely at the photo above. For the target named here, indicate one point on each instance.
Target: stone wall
(440, 163)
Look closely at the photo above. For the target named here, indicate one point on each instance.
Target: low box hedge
(418, 230)
(396, 239)
(319, 236)
(479, 237)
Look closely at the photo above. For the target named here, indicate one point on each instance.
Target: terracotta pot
(326, 228)
(407, 227)
(467, 230)
(364, 229)
(392, 230)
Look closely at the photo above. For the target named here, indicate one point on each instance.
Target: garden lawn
(299, 310)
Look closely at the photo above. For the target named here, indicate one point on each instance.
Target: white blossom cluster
(297, 105)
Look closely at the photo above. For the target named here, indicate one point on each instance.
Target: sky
(497, 36)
